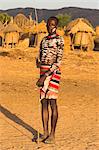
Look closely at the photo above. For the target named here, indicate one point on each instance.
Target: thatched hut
(23, 22)
(42, 31)
(11, 35)
(81, 32)
(37, 32)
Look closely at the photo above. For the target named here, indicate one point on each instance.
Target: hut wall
(85, 39)
(8, 38)
(11, 37)
(15, 37)
(77, 39)
(91, 41)
(82, 38)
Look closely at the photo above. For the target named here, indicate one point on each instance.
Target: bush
(64, 19)
(4, 17)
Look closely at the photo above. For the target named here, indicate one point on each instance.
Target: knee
(44, 103)
(53, 104)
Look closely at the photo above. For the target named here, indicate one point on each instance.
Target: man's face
(51, 26)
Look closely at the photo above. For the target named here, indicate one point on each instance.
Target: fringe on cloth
(51, 84)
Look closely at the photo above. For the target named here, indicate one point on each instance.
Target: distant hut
(11, 34)
(41, 31)
(81, 32)
(23, 22)
(27, 24)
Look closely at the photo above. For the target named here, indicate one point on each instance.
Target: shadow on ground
(4, 54)
(17, 120)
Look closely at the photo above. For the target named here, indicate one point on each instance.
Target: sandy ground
(78, 102)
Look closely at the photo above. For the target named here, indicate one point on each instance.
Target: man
(51, 51)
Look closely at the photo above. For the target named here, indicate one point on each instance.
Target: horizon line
(47, 8)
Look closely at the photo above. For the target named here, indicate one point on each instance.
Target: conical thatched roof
(20, 16)
(81, 25)
(12, 27)
(22, 21)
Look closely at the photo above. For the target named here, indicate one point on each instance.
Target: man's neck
(51, 34)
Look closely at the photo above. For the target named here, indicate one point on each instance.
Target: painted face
(51, 26)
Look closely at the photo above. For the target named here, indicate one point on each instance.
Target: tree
(64, 19)
(4, 17)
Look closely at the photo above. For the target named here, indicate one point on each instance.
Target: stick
(38, 135)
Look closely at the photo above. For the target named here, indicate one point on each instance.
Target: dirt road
(78, 103)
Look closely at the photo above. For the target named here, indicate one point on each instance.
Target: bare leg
(54, 117)
(45, 116)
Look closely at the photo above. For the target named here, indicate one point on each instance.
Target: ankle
(52, 136)
(46, 134)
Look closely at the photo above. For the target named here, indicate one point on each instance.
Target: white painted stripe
(54, 83)
(53, 90)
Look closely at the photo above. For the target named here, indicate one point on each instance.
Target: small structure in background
(22, 31)
(29, 37)
(11, 34)
(81, 32)
(23, 22)
(40, 30)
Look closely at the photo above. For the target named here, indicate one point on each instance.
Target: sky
(49, 4)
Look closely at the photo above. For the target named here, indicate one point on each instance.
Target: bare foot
(43, 138)
(49, 140)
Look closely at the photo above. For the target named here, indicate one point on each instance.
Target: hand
(38, 64)
(40, 82)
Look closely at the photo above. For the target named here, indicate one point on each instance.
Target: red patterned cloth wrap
(51, 84)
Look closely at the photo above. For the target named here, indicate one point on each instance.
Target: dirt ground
(78, 102)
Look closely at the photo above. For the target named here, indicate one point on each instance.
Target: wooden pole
(38, 135)
(36, 18)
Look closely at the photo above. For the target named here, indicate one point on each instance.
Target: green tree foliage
(64, 19)
(4, 17)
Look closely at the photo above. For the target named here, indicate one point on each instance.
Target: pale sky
(49, 4)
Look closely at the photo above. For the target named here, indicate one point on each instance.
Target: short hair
(53, 18)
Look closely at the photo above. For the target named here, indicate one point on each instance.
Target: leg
(54, 117)
(45, 116)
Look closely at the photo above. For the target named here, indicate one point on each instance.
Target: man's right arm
(38, 58)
